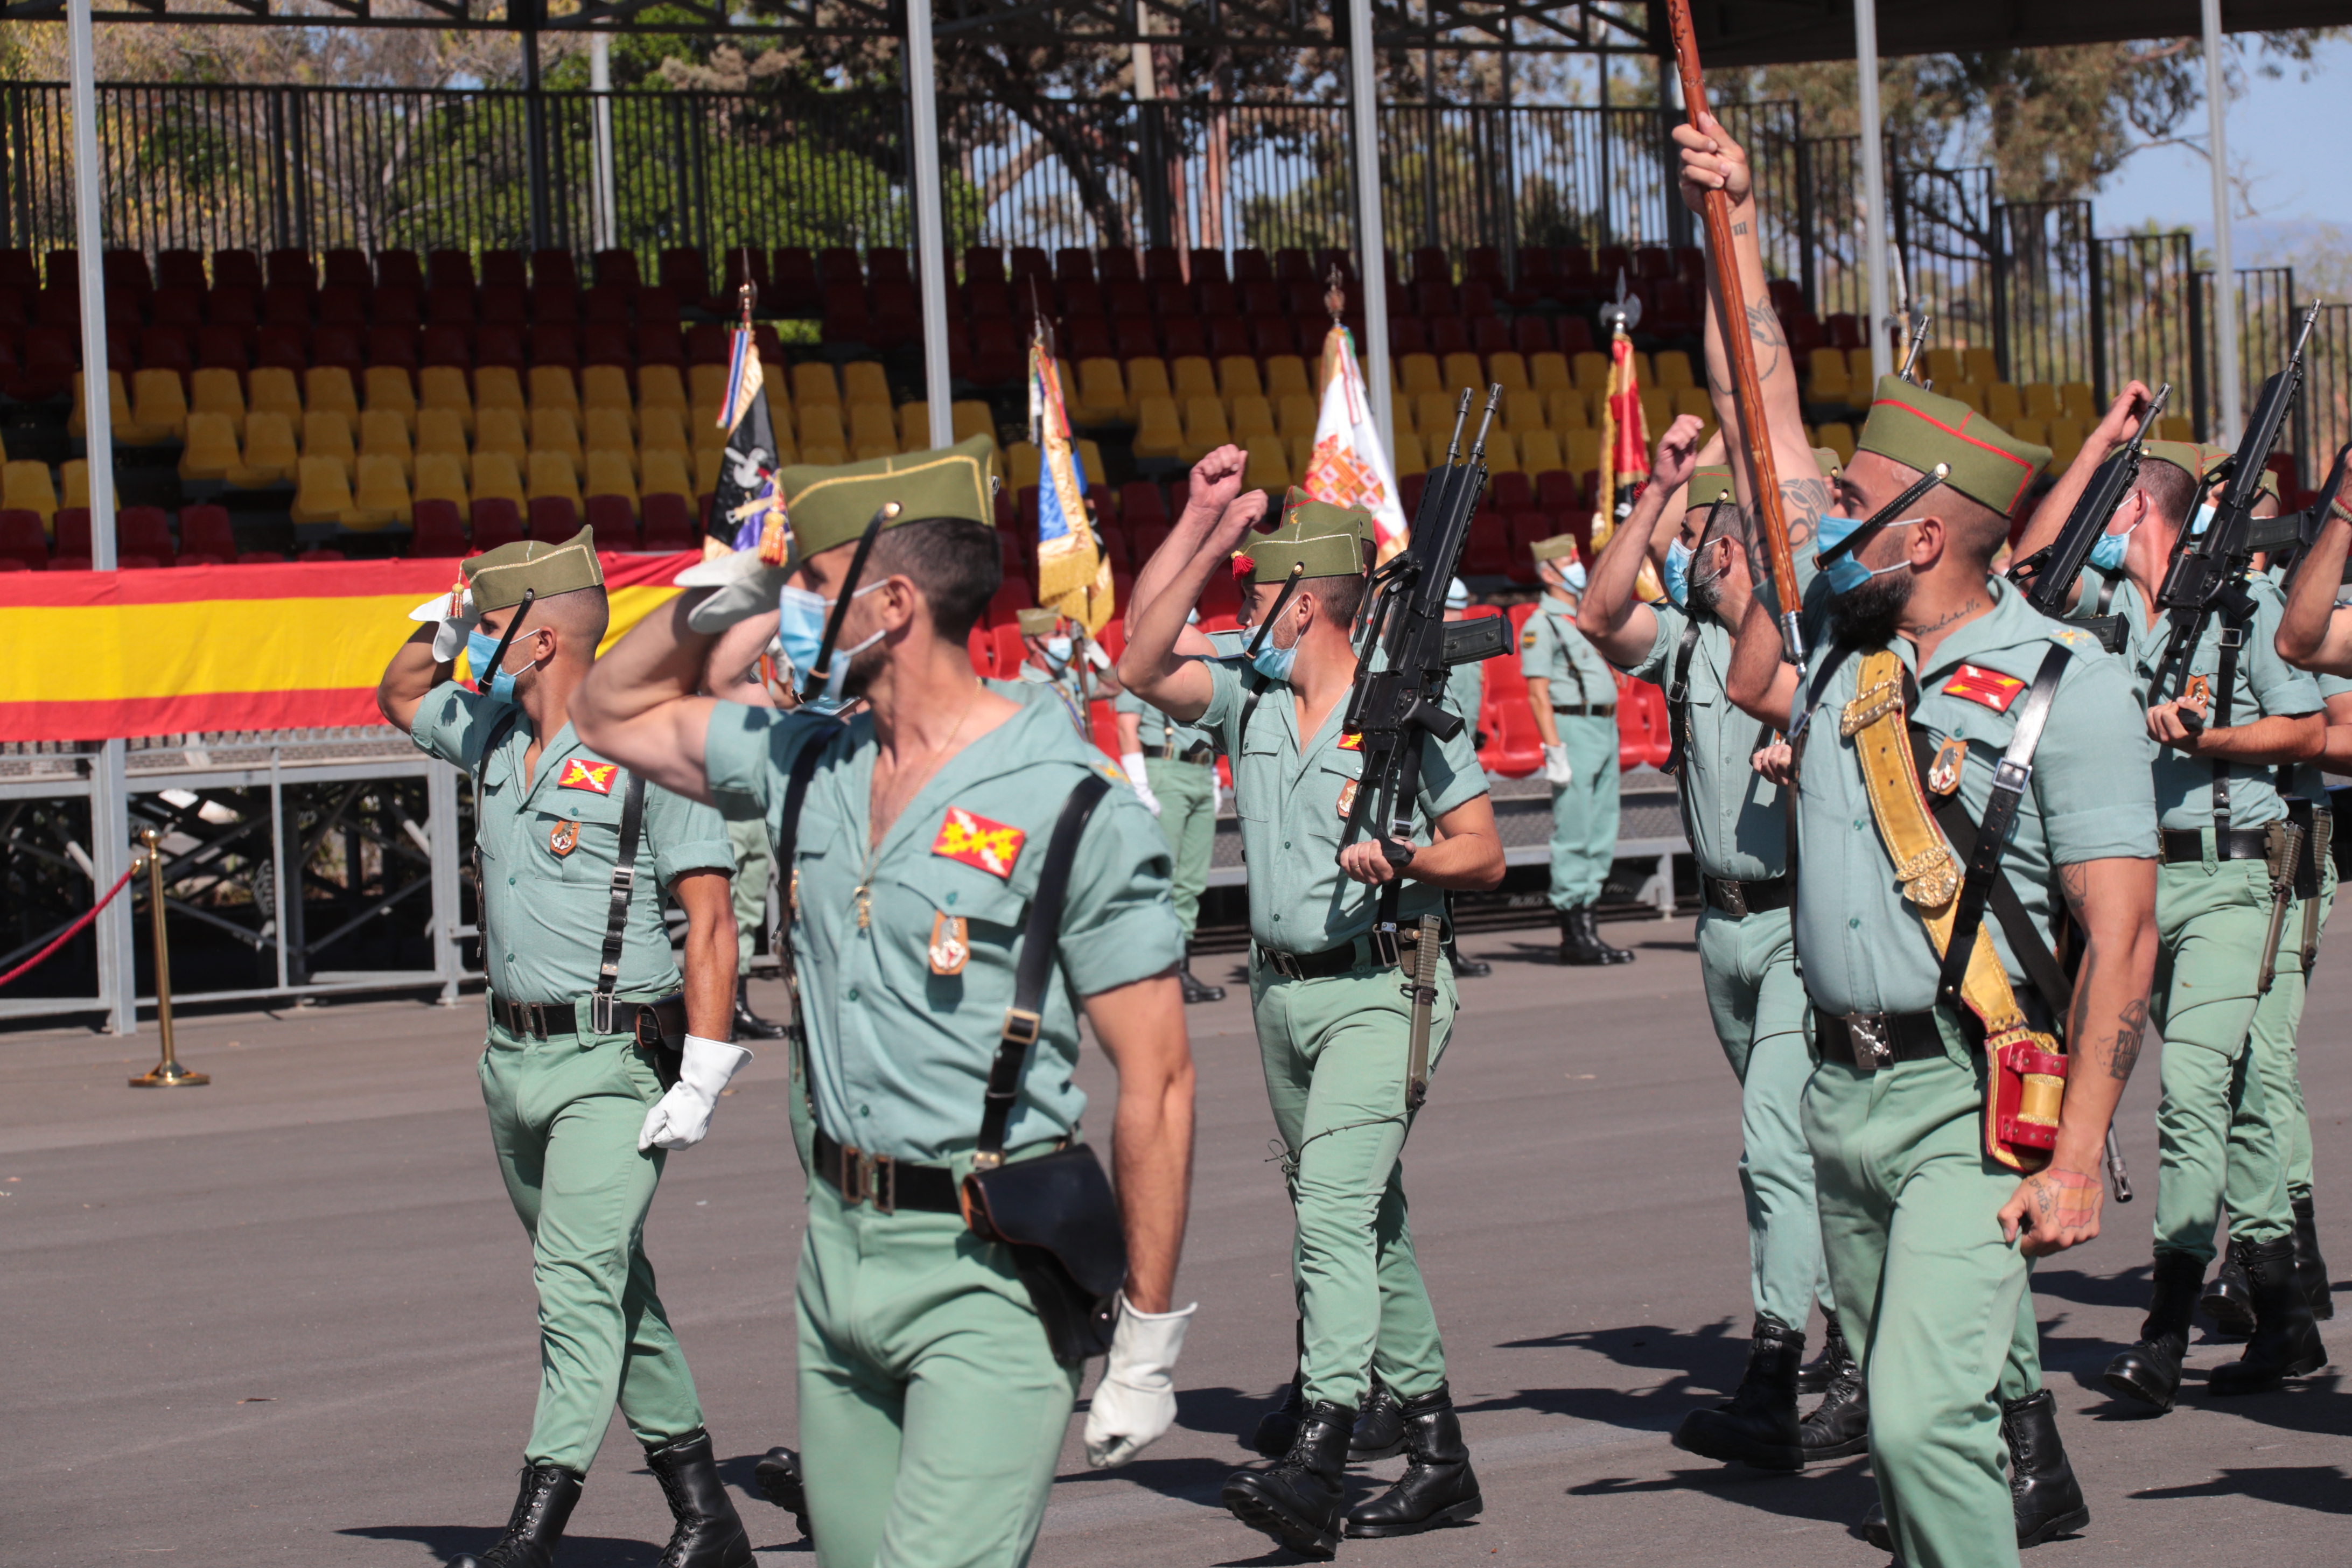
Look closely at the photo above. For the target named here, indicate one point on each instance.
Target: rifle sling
(617, 918)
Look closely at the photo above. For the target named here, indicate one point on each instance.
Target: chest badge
(1347, 797)
(2198, 696)
(951, 945)
(1989, 687)
(1351, 742)
(992, 847)
(563, 839)
(1944, 774)
(580, 772)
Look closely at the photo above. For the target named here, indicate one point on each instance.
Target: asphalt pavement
(288, 1317)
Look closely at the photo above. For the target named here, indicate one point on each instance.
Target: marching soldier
(1575, 701)
(1334, 1031)
(1466, 694)
(1059, 654)
(966, 888)
(1174, 767)
(1937, 1085)
(601, 1058)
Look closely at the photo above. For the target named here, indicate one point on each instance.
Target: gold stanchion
(168, 1073)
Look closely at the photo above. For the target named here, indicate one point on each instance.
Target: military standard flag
(1073, 571)
(1350, 466)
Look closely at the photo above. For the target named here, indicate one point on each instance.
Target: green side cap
(500, 577)
(1323, 540)
(831, 505)
(1919, 429)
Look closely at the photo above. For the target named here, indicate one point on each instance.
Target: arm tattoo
(2119, 1052)
(1804, 500)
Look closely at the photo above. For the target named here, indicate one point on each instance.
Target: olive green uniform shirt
(1736, 817)
(547, 848)
(1551, 648)
(1060, 692)
(1155, 729)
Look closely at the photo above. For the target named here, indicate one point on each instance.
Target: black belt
(1869, 1041)
(1340, 960)
(553, 1020)
(2185, 844)
(1585, 709)
(891, 1185)
(1733, 897)
(1201, 755)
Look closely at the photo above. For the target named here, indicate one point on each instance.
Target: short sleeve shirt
(1061, 693)
(898, 1052)
(1156, 728)
(1736, 817)
(1865, 949)
(1551, 648)
(1291, 799)
(548, 847)
(1465, 690)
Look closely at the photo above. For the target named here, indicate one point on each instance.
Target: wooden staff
(1748, 394)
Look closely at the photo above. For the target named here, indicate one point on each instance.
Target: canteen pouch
(2025, 1083)
(1056, 1214)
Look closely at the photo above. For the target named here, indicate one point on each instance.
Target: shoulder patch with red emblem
(1989, 687)
(976, 841)
(1351, 742)
(580, 772)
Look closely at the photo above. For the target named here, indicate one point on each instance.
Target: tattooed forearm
(2123, 1051)
(1764, 332)
(1803, 501)
(2078, 1017)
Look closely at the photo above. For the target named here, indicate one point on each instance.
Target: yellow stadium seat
(607, 430)
(26, 486)
(389, 389)
(662, 429)
(1564, 409)
(2074, 400)
(822, 438)
(1674, 370)
(128, 432)
(497, 476)
(1145, 377)
(272, 389)
(1418, 375)
(554, 429)
(1838, 437)
(706, 472)
(1253, 419)
(1286, 375)
(1548, 371)
(1158, 433)
(443, 431)
(1102, 393)
(1090, 458)
(606, 387)
(552, 386)
(441, 477)
(1302, 457)
(497, 386)
(2032, 429)
(1827, 381)
(1642, 373)
(1297, 416)
(500, 430)
(323, 491)
(1539, 452)
(1024, 463)
(211, 451)
(705, 384)
(75, 472)
(1502, 452)
(1581, 448)
(1406, 447)
(1268, 468)
(1523, 411)
(609, 475)
(1433, 415)
(787, 453)
(215, 390)
(1965, 392)
(1461, 371)
(862, 380)
(383, 435)
(1694, 400)
(658, 387)
(159, 402)
(971, 418)
(1860, 378)
(553, 474)
(1400, 421)
(1237, 378)
(915, 426)
(872, 433)
(813, 386)
(2175, 428)
(328, 388)
(1193, 376)
(2041, 400)
(270, 456)
(444, 386)
(703, 429)
(1591, 370)
(667, 474)
(1980, 366)
(2066, 438)
(381, 499)
(2002, 404)
(1943, 368)
(327, 434)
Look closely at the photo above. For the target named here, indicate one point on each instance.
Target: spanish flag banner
(1073, 570)
(97, 655)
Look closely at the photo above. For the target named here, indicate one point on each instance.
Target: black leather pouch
(1057, 1215)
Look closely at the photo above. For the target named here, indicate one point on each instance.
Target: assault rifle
(2206, 574)
(2049, 574)
(1406, 645)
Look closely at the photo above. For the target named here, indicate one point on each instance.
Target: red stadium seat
(438, 531)
(496, 522)
(349, 270)
(449, 268)
(613, 521)
(553, 518)
(669, 522)
(399, 269)
(24, 541)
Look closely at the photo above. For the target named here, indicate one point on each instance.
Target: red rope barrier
(76, 929)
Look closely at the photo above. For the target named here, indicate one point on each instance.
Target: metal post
(1606, 229)
(441, 837)
(534, 123)
(1873, 182)
(600, 82)
(89, 234)
(2225, 272)
(930, 228)
(1371, 240)
(167, 1073)
(109, 854)
(278, 865)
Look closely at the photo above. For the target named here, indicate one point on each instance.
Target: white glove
(1131, 764)
(449, 636)
(1556, 769)
(680, 1118)
(747, 587)
(1216, 796)
(1135, 1401)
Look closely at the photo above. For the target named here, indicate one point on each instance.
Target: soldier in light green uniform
(1926, 1234)
(931, 1404)
(1575, 701)
(1466, 695)
(1332, 1025)
(1178, 766)
(1055, 668)
(2214, 913)
(578, 1114)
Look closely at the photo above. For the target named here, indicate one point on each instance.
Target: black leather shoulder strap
(1678, 699)
(1041, 944)
(625, 884)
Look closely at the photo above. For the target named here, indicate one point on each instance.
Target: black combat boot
(1757, 1424)
(2043, 1491)
(1839, 1427)
(1278, 1428)
(1196, 990)
(778, 1477)
(1380, 1427)
(1581, 943)
(2228, 1300)
(709, 1533)
(1299, 1498)
(2286, 1340)
(750, 1026)
(2310, 1269)
(1813, 1377)
(1467, 968)
(1874, 1529)
(2150, 1371)
(1437, 1486)
(542, 1510)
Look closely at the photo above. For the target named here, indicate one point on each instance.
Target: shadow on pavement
(1836, 1494)
(2323, 1488)
(1226, 1412)
(446, 1540)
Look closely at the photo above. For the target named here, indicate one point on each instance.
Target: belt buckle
(600, 1012)
(1732, 894)
(1385, 946)
(1868, 1032)
(883, 1194)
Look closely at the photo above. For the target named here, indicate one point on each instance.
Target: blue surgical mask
(1677, 573)
(1573, 575)
(480, 648)
(800, 633)
(1274, 663)
(2108, 554)
(1057, 652)
(1845, 573)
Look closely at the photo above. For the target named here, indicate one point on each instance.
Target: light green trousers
(931, 1412)
(2278, 1022)
(1188, 815)
(754, 866)
(1934, 1302)
(1334, 1052)
(2213, 1126)
(1584, 813)
(1762, 1018)
(564, 1118)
